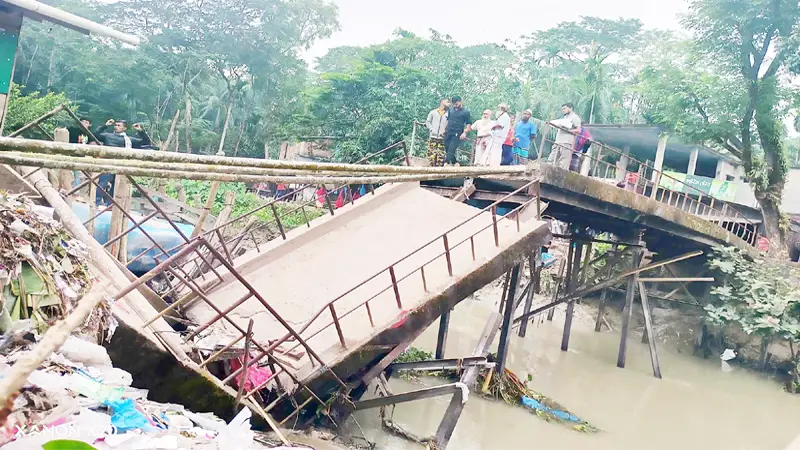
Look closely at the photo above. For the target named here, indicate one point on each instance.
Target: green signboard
(696, 185)
(8, 48)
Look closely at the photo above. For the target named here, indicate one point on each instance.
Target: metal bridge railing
(646, 180)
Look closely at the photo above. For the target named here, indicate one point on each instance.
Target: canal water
(697, 405)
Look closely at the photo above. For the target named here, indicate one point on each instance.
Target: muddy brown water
(696, 405)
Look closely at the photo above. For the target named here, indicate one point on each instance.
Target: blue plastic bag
(561, 415)
(126, 417)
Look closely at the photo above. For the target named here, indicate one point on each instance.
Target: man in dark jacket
(117, 138)
(120, 138)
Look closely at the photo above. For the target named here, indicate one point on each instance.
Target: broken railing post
(572, 280)
(508, 312)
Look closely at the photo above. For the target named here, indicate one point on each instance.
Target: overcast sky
(365, 22)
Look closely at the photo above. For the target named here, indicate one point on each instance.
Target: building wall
(724, 168)
(791, 194)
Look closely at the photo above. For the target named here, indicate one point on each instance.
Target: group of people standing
(500, 139)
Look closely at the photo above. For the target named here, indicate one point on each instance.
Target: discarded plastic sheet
(728, 354)
(86, 353)
(237, 434)
(548, 260)
(95, 390)
(538, 406)
(126, 417)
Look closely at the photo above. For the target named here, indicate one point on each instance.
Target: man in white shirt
(561, 154)
(436, 123)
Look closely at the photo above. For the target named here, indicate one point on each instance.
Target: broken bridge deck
(356, 284)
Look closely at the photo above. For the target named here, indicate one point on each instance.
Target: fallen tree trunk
(216, 176)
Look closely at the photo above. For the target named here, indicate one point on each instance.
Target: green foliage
(25, 108)
(724, 87)
(413, 354)
(760, 296)
(197, 193)
(242, 56)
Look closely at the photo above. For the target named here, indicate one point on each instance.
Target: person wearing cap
(483, 143)
(499, 133)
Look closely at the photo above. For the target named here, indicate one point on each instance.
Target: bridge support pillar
(508, 319)
(633, 284)
(441, 342)
(573, 271)
(535, 263)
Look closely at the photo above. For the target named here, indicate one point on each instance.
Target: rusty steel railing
(389, 271)
(199, 264)
(274, 355)
(647, 181)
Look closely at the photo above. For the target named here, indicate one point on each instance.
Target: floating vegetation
(513, 391)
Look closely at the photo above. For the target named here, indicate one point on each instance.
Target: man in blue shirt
(524, 133)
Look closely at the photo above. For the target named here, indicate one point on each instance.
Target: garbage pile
(43, 270)
(78, 400)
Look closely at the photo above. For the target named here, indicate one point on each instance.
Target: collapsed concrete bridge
(324, 308)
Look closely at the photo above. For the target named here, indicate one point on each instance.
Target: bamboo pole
(133, 300)
(12, 159)
(190, 167)
(41, 119)
(34, 146)
(122, 196)
(80, 124)
(212, 196)
(92, 202)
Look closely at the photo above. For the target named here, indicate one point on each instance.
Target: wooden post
(508, 318)
(441, 343)
(212, 196)
(227, 209)
(626, 313)
(559, 279)
(122, 196)
(456, 406)
(573, 278)
(604, 294)
(181, 192)
(535, 264)
(92, 202)
(649, 333)
(65, 176)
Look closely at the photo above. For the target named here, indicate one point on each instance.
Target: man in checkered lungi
(436, 124)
